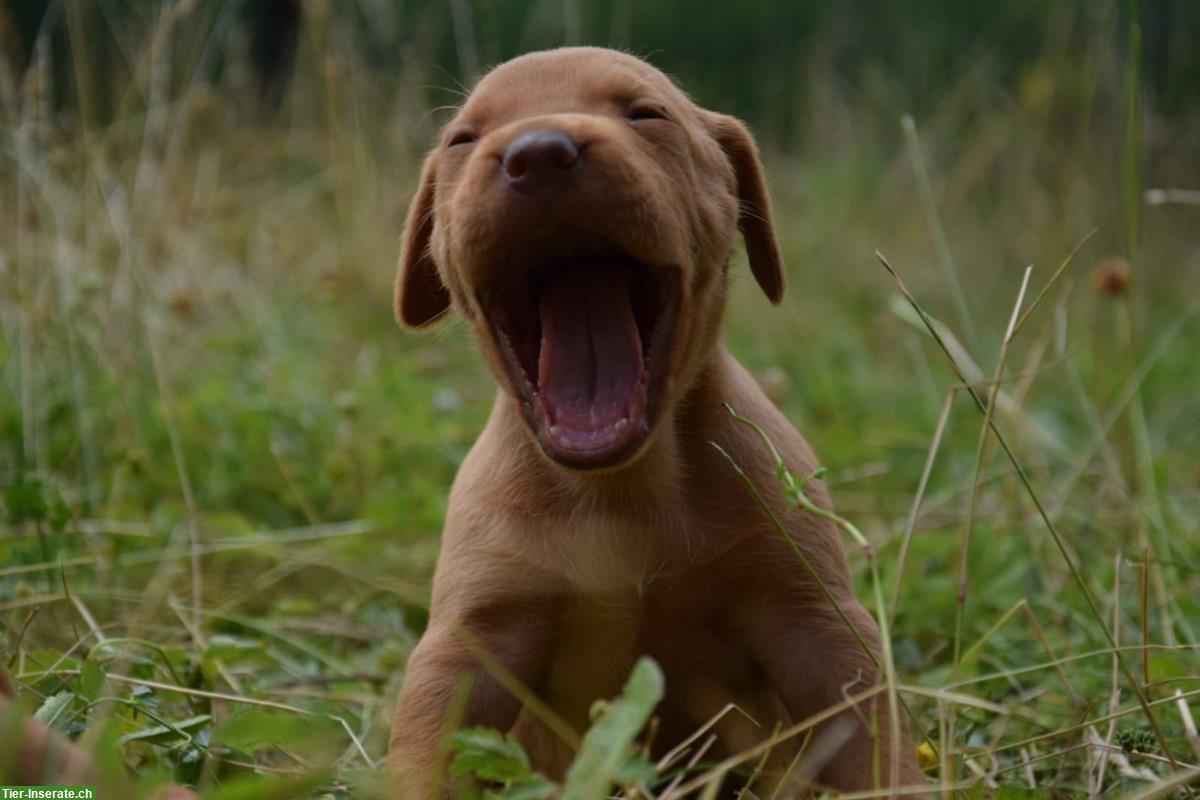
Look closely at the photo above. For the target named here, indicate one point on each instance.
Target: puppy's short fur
(579, 213)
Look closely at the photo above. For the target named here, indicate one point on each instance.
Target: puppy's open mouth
(585, 331)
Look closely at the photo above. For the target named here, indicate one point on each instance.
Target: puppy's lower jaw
(586, 346)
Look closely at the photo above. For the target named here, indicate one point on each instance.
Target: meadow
(224, 468)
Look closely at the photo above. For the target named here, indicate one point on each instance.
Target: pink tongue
(591, 355)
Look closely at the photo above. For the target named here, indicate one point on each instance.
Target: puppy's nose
(539, 159)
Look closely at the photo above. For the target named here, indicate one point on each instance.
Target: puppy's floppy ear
(420, 295)
(754, 214)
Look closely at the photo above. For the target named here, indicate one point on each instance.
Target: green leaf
(55, 712)
(635, 769)
(1014, 792)
(1137, 739)
(160, 734)
(256, 787)
(25, 501)
(536, 788)
(229, 648)
(489, 755)
(91, 679)
(1166, 665)
(605, 748)
(110, 772)
(255, 727)
(59, 513)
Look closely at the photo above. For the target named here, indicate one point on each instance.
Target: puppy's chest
(600, 555)
(623, 581)
(631, 591)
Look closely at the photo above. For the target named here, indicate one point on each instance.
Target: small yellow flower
(926, 755)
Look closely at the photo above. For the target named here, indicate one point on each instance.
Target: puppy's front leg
(515, 635)
(815, 661)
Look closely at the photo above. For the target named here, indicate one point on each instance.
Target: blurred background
(213, 437)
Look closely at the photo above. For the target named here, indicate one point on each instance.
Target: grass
(224, 469)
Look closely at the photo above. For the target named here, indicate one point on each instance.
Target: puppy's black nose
(539, 159)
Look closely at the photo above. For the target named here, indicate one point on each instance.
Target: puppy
(578, 213)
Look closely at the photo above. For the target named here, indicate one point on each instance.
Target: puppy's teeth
(555, 431)
(621, 424)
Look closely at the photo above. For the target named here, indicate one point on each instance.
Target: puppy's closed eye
(461, 135)
(647, 111)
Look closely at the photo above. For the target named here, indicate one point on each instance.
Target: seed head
(1112, 276)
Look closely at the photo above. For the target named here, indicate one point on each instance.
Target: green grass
(224, 469)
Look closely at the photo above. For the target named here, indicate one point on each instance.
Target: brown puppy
(579, 213)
